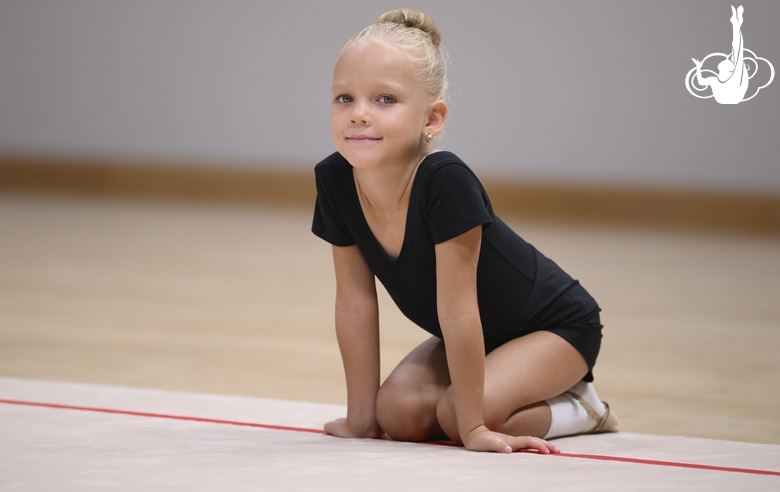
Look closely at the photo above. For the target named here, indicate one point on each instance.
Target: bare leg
(736, 37)
(519, 376)
(737, 44)
(406, 403)
(415, 402)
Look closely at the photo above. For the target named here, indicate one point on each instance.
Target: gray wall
(558, 91)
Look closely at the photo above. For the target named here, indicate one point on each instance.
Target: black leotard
(519, 290)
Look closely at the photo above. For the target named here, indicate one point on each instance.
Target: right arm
(357, 331)
(701, 80)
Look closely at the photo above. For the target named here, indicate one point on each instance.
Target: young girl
(514, 339)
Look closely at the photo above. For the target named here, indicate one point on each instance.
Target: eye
(386, 99)
(344, 99)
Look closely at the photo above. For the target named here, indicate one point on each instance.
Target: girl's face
(378, 109)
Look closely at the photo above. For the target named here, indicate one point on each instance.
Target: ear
(437, 116)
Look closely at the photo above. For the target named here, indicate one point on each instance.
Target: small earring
(428, 137)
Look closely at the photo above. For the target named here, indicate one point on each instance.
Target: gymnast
(513, 338)
(730, 85)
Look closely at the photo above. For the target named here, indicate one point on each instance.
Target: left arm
(456, 297)
(456, 280)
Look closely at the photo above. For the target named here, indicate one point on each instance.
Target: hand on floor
(482, 439)
(341, 428)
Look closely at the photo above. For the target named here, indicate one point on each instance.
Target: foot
(599, 411)
(736, 16)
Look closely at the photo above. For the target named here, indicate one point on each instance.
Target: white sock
(568, 416)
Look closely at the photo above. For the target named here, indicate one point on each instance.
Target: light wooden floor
(238, 300)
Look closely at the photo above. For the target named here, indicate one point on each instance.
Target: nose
(359, 113)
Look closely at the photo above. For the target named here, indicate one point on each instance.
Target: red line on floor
(670, 463)
(162, 416)
(317, 431)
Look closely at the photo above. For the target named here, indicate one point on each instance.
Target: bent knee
(448, 420)
(405, 415)
(494, 419)
(445, 414)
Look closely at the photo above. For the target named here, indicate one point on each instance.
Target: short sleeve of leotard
(457, 202)
(328, 223)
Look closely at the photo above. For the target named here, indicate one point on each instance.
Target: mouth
(362, 139)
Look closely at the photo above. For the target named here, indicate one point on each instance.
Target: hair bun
(416, 19)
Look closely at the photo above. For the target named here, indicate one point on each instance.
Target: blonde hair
(419, 38)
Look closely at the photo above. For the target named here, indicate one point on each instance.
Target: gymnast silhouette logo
(735, 71)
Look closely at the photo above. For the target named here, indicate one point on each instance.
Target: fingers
(330, 428)
(503, 448)
(338, 428)
(502, 443)
(533, 443)
(341, 428)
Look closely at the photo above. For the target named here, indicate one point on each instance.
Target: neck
(387, 187)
